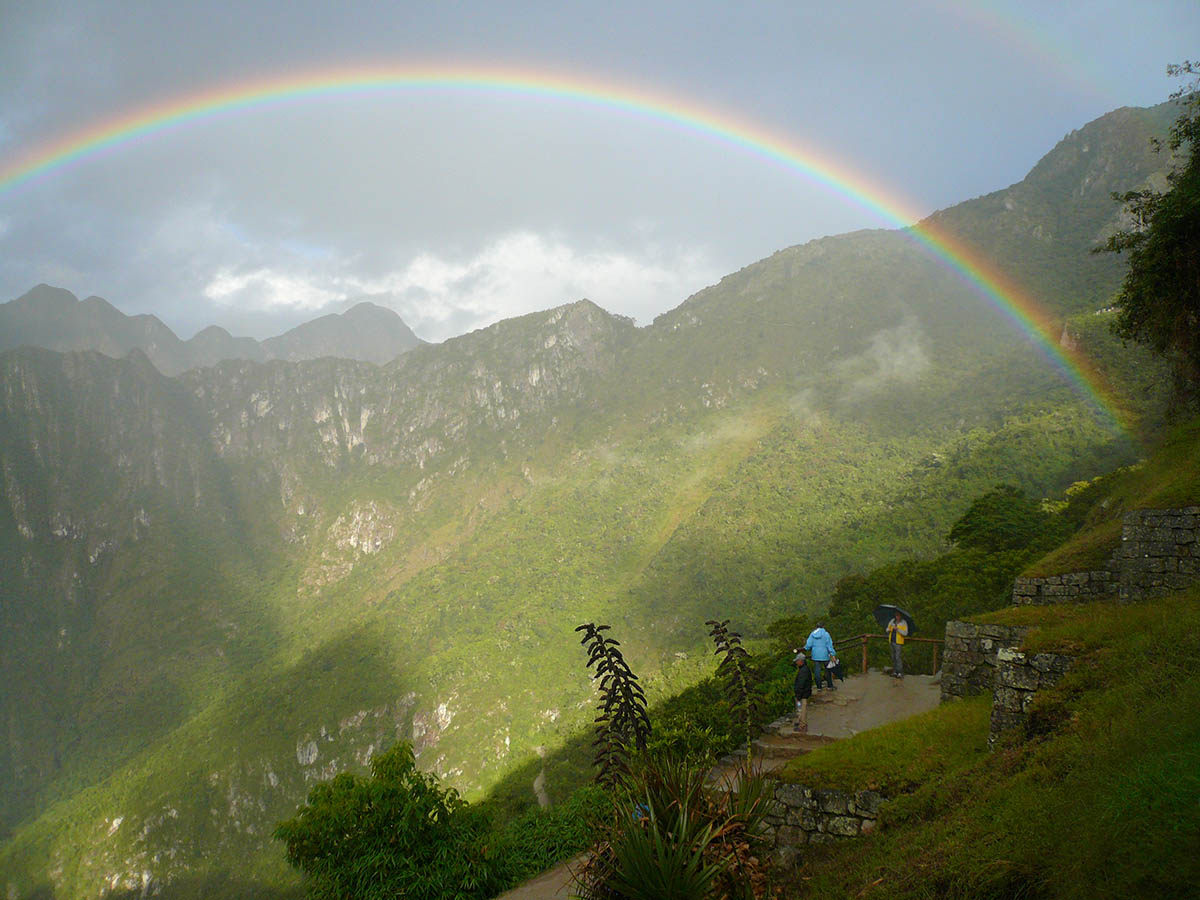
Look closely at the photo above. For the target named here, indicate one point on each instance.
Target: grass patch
(1038, 616)
(899, 757)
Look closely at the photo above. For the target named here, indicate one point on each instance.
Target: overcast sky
(459, 208)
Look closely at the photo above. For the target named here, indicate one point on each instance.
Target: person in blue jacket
(820, 649)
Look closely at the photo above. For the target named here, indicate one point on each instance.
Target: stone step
(786, 746)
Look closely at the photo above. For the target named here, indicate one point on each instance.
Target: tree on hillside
(1002, 519)
(397, 833)
(1159, 301)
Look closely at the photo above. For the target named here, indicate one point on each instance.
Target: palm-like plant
(734, 671)
(623, 723)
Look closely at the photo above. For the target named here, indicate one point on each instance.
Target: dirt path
(555, 884)
(868, 701)
(860, 702)
(539, 789)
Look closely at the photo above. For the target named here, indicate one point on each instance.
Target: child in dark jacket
(802, 688)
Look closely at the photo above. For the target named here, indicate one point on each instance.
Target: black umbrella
(885, 613)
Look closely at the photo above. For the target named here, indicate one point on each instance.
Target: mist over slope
(220, 587)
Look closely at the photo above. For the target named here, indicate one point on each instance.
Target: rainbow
(1001, 292)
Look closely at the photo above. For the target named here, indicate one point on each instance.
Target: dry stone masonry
(804, 815)
(1074, 587)
(1159, 552)
(1019, 676)
(969, 666)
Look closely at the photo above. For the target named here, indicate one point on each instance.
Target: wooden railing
(865, 638)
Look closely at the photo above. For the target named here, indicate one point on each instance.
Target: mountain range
(57, 320)
(223, 581)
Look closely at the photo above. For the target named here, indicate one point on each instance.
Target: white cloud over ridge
(517, 273)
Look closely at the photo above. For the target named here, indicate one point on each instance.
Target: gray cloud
(466, 205)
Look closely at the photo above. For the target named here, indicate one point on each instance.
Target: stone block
(775, 808)
(867, 803)
(1006, 699)
(1183, 536)
(1053, 663)
(817, 837)
(792, 795)
(868, 826)
(833, 802)
(842, 826)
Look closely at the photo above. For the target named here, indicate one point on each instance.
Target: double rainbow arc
(1001, 292)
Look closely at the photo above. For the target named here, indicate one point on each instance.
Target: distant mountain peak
(366, 331)
(55, 319)
(46, 295)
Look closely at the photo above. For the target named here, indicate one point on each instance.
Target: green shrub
(394, 834)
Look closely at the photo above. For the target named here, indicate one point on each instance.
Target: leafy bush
(396, 833)
(532, 843)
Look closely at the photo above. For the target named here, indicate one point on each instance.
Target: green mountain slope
(221, 587)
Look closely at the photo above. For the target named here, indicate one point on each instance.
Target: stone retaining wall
(969, 663)
(1159, 552)
(1074, 587)
(1019, 676)
(803, 815)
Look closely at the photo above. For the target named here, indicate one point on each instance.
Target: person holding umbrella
(897, 630)
(899, 625)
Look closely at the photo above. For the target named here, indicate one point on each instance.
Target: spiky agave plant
(734, 671)
(672, 836)
(623, 724)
